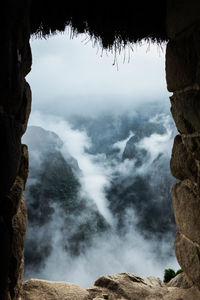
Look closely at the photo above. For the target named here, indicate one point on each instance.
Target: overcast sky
(71, 76)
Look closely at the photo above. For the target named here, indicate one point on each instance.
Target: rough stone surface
(12, 231)
(188, 254)
(126, 286)
(19, 224)
(10, 132)
(26, 59)
(186, 203)
(14, 111)
(180, 281)
(25, 109)
(130, 286)
(185, 108)
(181, 64)
(24, 164)
(181, 294)
(183, 78)
(182, 164)
(35, 289)
(123, 286)
(14, 196)
(13, 228)
(181, 15)
(192, 145)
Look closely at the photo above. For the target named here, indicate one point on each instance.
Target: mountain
(147, 193)
(53, 189)
(144, 185)
(131, 151)
(108, 194)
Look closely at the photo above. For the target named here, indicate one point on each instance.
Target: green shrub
(179, 271)
(168, 275)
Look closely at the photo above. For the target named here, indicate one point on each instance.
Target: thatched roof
(111, 22)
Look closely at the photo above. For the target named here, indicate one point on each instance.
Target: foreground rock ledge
(123, 286)
(35, 289)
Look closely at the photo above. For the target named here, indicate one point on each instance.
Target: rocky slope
(122, 286)
(146, 187)
(54, 188)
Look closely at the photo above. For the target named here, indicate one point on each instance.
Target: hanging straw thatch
(110, 22)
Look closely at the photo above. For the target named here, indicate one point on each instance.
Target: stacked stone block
(183, 80)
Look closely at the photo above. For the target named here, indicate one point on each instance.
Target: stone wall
(183, 80)
(15, 103)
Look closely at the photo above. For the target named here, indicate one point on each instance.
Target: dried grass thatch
(110, 22)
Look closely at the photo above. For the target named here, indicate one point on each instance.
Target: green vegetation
(179, 271)
(170, 273)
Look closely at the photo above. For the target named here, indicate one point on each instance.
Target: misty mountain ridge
(137, 194)
(53, 186)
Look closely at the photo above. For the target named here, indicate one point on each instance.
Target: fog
(97, 108)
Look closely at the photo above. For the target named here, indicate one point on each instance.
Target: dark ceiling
(112, 23)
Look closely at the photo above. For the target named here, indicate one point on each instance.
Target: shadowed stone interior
(182, 19)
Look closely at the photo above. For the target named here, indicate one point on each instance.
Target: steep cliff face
(55, 203)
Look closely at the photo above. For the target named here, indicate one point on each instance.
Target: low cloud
(110, 252)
